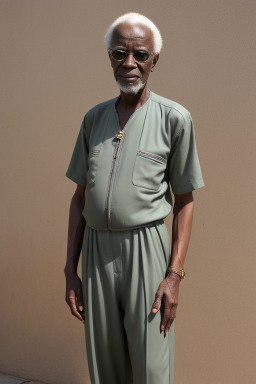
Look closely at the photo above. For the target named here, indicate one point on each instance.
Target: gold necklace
(120, 134)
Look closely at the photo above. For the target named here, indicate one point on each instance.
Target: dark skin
(74, 294)
(168, 291)
(131, 38)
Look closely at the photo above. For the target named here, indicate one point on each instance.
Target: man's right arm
(74, 294)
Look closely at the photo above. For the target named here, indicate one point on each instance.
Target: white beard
(131, 88)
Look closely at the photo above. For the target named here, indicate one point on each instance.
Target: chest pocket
(93, 165)
(149, 170)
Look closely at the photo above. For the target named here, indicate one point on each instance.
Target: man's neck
(131, 101)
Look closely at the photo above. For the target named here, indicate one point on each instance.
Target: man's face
(132, 75)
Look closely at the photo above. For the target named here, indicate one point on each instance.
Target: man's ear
(110, 59)
(155, 60)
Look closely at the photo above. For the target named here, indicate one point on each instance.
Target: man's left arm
(168, 291)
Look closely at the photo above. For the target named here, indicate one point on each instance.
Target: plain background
(54, 67)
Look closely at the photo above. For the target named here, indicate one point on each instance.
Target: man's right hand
(74, 296)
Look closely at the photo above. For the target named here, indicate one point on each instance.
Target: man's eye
(141, 55)
(119, 55)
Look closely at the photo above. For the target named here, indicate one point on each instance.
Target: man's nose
(129, 62)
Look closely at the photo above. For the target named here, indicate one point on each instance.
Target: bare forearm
(75, 234)
(181, 229)
(168, 290)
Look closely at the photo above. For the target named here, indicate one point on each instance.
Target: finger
(76, 313)
(165, 318)
(168, 326)
(171, 319)
(79, 300)
(81, 312)
(157, 303)
(71, 301)
(80, 306)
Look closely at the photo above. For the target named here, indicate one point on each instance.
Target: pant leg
(106, 342)
(151, 354)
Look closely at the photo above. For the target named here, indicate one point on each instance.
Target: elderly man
(128, 151)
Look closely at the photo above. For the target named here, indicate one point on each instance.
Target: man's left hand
(167, 295)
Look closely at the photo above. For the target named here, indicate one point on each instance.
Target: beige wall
(53, 69)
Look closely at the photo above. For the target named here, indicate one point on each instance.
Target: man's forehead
(126, 31)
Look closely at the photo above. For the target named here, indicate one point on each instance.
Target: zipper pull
(119, 135)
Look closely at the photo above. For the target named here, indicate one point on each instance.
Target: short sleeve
(78, 165)
(184, 167)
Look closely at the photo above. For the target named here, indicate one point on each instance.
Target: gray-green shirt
(127, 179)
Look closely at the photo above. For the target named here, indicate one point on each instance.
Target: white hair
(133, 18)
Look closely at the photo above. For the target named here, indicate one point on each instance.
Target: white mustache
(131, 74)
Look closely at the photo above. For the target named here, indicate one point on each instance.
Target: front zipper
(118, 144)
(115, 156)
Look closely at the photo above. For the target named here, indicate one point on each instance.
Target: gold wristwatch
(180, 272)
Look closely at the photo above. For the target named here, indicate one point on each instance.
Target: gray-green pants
(121, 274)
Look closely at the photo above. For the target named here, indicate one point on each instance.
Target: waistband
(147, 225)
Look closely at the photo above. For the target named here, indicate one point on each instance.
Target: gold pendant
(119, 135)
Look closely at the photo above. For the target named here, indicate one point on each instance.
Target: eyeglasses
(120, 55)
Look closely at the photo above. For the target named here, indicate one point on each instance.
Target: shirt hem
(76, 179)
(189, 187)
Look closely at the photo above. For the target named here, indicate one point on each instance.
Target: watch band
(180, 272)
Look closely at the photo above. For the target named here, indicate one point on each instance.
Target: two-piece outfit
(126, 248)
